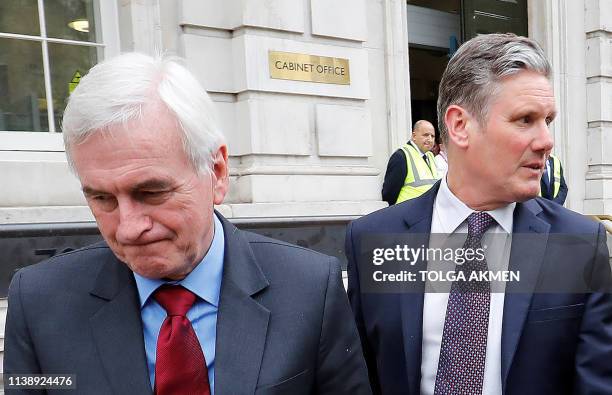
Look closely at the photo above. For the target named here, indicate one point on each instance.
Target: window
(45, 47)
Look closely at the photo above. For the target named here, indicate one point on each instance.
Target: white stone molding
(282, 15)
(343, 130)
(558, 25)
(339, 18)
(399, 120)
(140, 26)
(598, 29)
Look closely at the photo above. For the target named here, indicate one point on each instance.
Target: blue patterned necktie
(464, 339)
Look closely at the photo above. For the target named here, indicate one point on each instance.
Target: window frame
(107, 23)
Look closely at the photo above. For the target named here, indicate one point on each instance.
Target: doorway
(436, 28)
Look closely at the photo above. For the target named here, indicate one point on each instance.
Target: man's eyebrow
(530, 110)
(154, 184)
(90, 191)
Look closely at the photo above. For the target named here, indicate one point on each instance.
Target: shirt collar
(455, 212)
(412, 143)
(204, 280)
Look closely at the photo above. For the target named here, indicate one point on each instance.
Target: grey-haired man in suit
(176, 300)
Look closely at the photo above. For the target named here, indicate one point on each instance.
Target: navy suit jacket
(284, 324)
(552, 343)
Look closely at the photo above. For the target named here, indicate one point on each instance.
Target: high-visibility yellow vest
(419, 175)
(556, 179)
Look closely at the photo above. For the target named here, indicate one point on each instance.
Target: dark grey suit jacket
(284, 324)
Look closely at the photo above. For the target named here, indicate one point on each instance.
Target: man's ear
(458, 121)
(220, 173)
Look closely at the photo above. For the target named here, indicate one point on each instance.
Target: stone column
(397, 73)
(558, 25)
(140, 26)
(598, 28)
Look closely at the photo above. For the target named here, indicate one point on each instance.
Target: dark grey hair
(473, 73)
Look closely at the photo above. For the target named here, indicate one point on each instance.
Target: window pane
(22, 87)
(19, 16)
(67, 62)
(70, 19)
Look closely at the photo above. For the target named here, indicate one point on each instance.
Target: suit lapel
(526, 257)
(242, 323)
(411, 303)
(117, 330)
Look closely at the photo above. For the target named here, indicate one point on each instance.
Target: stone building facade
(308, 152)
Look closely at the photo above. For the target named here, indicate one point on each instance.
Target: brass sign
(311, 68)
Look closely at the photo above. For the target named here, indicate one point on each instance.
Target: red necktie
(180, 368)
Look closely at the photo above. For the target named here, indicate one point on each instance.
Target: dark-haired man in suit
(550, 332)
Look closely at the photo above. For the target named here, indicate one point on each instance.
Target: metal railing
(3, 305)
(606, 221)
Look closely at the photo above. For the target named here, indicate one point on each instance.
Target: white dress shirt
(450, 218)
(421, 153)
(441, 164)
(411, 142)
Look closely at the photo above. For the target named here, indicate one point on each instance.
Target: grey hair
(473, 74)
(116, 91)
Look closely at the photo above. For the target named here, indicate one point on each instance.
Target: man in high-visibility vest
(411, 170)
(552, 184)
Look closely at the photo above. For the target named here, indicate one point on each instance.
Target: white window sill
(31, 141)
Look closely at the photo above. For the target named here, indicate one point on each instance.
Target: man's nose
(544, 140)
(133, 222)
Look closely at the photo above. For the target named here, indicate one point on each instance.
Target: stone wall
(598, 28)
(293, 145)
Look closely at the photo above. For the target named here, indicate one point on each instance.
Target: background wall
(297, 149)
(577, 37)
(312, 151)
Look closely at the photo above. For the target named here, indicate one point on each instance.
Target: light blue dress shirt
(205, 282)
